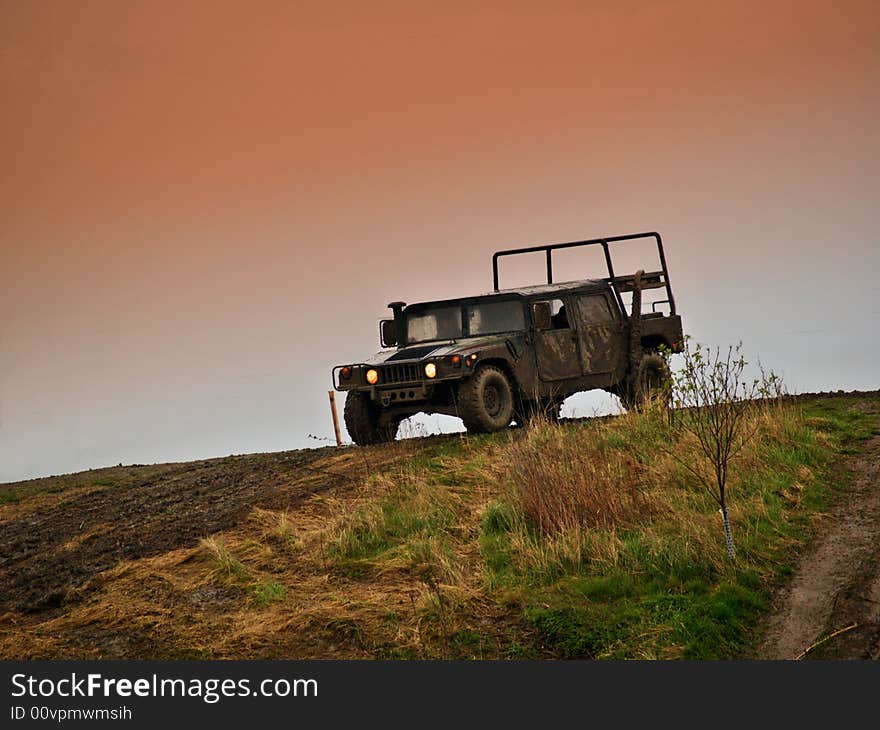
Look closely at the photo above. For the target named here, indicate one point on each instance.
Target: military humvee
(515, 353)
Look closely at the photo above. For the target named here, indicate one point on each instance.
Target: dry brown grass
(564, 481)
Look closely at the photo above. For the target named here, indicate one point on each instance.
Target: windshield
(443, 323)
(493, 317)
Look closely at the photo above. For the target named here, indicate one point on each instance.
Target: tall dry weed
(567, 481)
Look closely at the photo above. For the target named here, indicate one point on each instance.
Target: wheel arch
(505, 367)
(655, 342)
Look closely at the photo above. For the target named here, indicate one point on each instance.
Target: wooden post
(335, 417)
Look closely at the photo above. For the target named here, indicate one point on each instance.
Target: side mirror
(387, 333)
(541, 315)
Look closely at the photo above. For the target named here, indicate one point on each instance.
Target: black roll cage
(620, 283)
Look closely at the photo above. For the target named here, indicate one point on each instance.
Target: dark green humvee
(516, 353)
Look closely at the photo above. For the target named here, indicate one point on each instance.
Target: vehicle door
(556, 342)
(601, 335)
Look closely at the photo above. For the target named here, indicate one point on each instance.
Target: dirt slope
(110, 563)
(836, 584)
(58, 532)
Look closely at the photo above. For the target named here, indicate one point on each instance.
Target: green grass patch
(9, 497)
(843, 419)
(411, 527)
(266, 592)
(396, 519)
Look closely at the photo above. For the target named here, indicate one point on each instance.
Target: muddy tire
(485, 400)
(651, 383)
(362, 421)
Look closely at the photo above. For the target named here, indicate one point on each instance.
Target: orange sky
(204, 206)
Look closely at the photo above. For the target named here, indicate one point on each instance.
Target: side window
(594, 309)
(558, 315)
(550, 315)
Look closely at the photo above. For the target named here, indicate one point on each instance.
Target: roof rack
(650, 280)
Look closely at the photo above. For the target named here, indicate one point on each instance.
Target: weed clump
(565, 480)
(227, 568)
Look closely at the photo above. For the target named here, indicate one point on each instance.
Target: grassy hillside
(595, 536)
(587, 539)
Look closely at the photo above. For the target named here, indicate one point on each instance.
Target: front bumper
(398, 376)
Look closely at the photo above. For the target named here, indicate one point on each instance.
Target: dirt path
(837, 581)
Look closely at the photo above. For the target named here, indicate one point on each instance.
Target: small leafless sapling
(714, 402)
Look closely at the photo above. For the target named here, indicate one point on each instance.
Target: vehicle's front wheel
(485, 400)
(362, 421)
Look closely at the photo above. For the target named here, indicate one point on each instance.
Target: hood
(427, 350)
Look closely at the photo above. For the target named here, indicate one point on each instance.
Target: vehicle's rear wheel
(650, 384)
(485, 400)
(362, 421)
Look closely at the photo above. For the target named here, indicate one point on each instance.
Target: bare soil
(60, 531)
(830, 607)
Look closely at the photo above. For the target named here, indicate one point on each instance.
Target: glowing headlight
(431, 370)
(372, 376)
